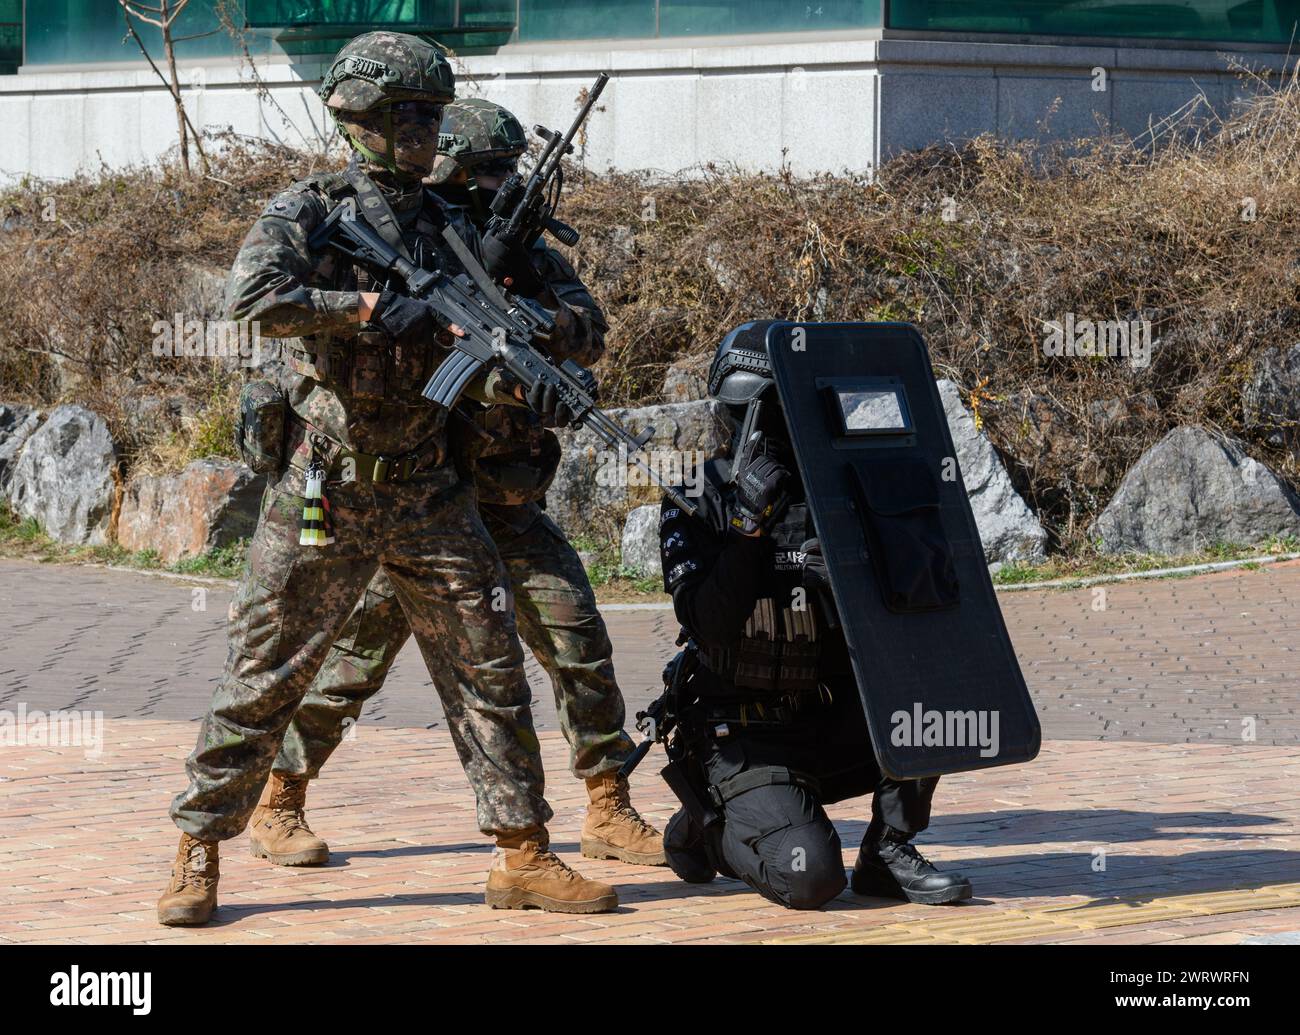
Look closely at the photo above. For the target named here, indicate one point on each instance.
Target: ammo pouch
(910, 552)
(259, 434)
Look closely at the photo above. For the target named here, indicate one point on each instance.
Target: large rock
(64, 477)
(593, 478)
(1191, 490)
(1270, 397)
(209, 504)
(641, 541)
(1008, 528)
(684, 384)
(16, 426)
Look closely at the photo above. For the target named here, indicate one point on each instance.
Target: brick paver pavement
(1145, 792)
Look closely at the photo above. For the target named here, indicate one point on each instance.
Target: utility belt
(349, 465)
(778, 710)
(687, 776)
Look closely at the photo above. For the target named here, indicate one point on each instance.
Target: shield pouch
(898, 501)
(260, 432)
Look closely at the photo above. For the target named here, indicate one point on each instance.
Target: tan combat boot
(525, 873)
(278, 830)
(191, 896)
(614, 829)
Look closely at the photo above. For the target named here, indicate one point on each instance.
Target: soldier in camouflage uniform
(514, 459)
(354, 415)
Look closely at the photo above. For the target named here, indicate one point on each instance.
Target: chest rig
(367, 365)
(780, 648)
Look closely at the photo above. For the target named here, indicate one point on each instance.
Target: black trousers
(777, 837)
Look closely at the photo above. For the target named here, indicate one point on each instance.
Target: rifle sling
(376, 211)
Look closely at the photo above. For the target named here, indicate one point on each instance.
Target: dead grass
(978, 245)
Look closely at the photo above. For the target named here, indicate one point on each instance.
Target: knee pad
(685, 852)
(815, 874)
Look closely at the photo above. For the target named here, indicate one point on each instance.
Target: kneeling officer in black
(774, 726)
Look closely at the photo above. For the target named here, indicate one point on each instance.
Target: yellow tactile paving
(975, 925)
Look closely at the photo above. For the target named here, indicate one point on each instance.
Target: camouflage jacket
(349, 381)
(517, 460)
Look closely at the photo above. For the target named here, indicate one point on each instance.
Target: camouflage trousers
(445, 578)
(556, 614)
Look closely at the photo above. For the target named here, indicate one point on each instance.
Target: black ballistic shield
(939, 680)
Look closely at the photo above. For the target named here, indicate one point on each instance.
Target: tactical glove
(760, 499)
(502, 261)
(813, 569)
(406, 319)
(544, 400)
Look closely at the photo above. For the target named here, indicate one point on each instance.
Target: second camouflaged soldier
(514, 459)
(394, 500)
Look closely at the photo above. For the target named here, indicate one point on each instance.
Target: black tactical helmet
(740, 371)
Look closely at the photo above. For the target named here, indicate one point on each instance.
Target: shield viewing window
(870, 406)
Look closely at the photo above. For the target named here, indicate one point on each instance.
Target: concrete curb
(1079, 583)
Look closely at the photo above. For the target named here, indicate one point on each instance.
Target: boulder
(150, 417)
(641, 541)
(64, 477)
(1008, 528)
(593, 478)
(209, 504)
(683, 384)
(16, 426)
(200, 293)
(1270, 396)
(1191, 490)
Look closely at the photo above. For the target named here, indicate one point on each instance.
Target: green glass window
(332, 22)
(11, 36)
(64, 32)
(586, 19)
(728, 18)
(643, 19)
(1245, 21)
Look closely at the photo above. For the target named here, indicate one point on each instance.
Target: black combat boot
(889, 866)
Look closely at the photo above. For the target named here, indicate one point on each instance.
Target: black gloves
(760, 499)
(502, 261)
(544, 400)
(813, 567)
(406, 319)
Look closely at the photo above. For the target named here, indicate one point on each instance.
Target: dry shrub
(1107, 228)
(89, 265)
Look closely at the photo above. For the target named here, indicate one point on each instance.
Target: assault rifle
(663, 722)
(660, 717)
(498, 329)
(522, 209)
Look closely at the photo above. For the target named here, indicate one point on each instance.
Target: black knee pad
(816, 873)
(685, 852)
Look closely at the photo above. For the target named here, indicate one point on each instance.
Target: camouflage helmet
(387, 66)
(476, 132)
